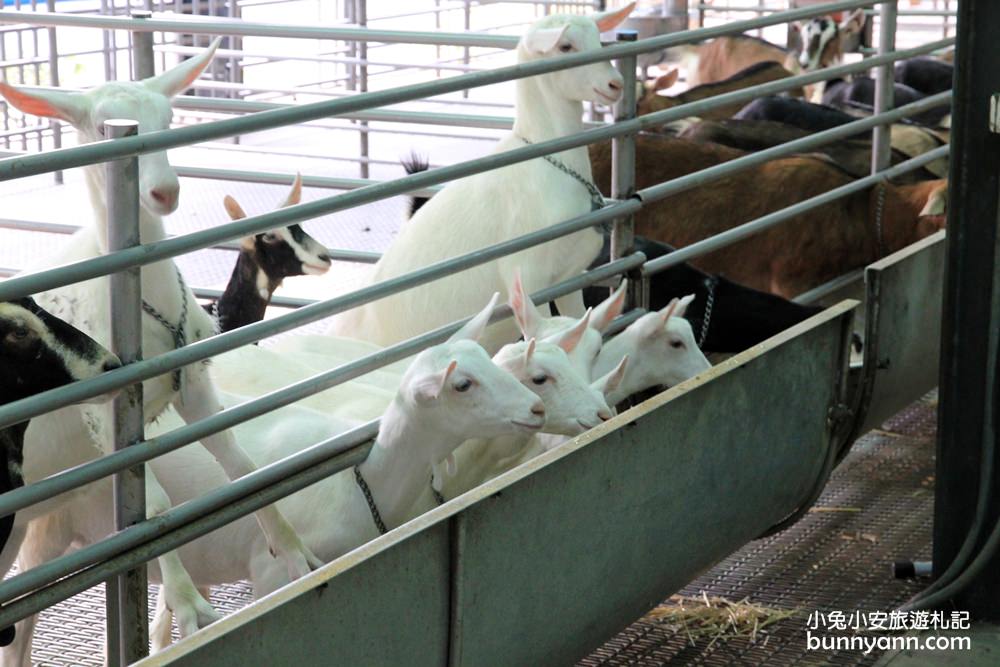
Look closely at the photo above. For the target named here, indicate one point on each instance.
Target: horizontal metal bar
(176, 517)
(236, 27)
(165, 139)
(829, 287)
(278, 178)
(381, 115)
(804, 144)
(18, 411)
(735, 234)
(92, 268)
(94, 470)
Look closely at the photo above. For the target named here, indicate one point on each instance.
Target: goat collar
(372, 507)
(596, 198)
(176, 331)
(710, 284)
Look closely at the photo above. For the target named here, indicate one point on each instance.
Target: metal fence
(68, 575)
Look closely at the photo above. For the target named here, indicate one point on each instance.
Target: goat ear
(610, 308)
(429, 387)
(295, 196)
(177, 80)
(854, 23)
(569, 339)
(529, 351)
(668, 310)
(937, 201)
(544, 40)
(612, 380)
(682, 305)
(70, 107)
(233, 208)
(525, 312)
(474, 328)
(665, 81)
(609, 20)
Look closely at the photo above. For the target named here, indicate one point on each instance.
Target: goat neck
(636, 377)
(398, 469)
(541, 114)
(247, 294)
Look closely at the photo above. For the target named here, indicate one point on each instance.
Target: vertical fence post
(623, 169)
(881, 141)
(54, 125)
(143, 63)
(361, 17)
(126, 593)
(970, 350)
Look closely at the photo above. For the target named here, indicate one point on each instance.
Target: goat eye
(270, 237)
(19, 333)
(565, 48)
(676, 344)
(540, 379)
(463, 385)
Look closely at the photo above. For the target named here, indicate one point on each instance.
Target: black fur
(860, 94)
(241, 303)
(741, 317)
(925, 74)
(791, 111)
(413, 165)
(29, 366)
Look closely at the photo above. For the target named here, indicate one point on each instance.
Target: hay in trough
(717, 618)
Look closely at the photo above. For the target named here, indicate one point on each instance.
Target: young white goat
(70, 436)
(450, 393)
(495, 206)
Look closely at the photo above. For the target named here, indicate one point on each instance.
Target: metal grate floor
(878, 508)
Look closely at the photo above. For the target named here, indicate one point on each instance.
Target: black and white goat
(38, 352)
(265, 260)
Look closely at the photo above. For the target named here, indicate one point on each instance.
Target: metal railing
(128, 549)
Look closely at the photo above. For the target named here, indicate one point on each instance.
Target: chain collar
(596, 198)
(372, 507)
(879, 209)
(176, 332)
(710, 284)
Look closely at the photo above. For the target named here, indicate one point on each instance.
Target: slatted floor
(834, 560)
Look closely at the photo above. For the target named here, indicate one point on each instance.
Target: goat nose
(111, 364)
(604, 415)
(615, 85)
(538, 409)
(323, 257)
(165, 196)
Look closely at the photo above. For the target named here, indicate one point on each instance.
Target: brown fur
(792, 257)
(651, 102)
(723, 57)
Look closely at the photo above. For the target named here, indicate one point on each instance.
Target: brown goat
(799, 253)
(756, 74)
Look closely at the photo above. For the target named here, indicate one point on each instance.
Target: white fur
(488, 208)
(428, 417)
(73, 435)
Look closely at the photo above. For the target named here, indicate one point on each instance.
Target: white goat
(70, 436)
(495, 206)
(451, 392)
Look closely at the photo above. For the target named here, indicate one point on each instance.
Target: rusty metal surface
(831, 560)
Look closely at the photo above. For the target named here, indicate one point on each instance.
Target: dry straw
(717, 618)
